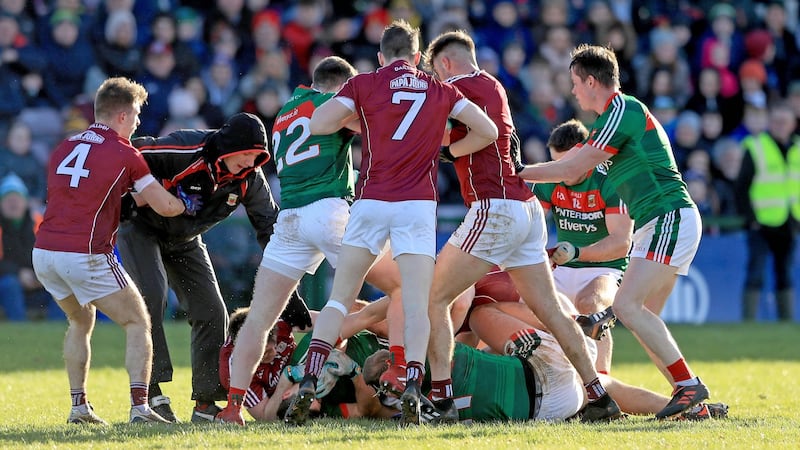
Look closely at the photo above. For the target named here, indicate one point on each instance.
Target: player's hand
(296, 373)
(296, 312)
(445, 155)
(337, 365)
(516, 153)
(563, 253)
(193, 202)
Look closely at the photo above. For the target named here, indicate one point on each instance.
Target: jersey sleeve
(617, 129)
(543, 193)
(347, 94)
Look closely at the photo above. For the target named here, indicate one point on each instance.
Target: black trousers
(186, 267)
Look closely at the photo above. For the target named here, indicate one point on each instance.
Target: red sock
(680, 371)
(398, 355)
(441, 389)
(78, 396)
(138, 394)
(594, 390)
(235, 397)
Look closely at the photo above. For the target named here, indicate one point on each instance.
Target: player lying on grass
(280, 346)
(487, 386)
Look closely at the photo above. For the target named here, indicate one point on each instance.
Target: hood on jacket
(243, 132)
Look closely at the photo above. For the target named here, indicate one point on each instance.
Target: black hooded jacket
(193, 160)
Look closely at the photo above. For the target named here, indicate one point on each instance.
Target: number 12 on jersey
(297, 150)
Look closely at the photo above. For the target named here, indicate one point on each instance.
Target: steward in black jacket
(219, 169)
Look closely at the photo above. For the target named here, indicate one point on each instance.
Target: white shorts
(559, 382)
(671, 239)
(507, 233)
(89, 277)
(303, 237)
(571, 280)
(410, 226)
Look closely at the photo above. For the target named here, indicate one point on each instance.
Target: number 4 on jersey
(72, 165)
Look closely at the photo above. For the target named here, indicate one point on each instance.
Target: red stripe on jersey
(607, 148)
(588, 201)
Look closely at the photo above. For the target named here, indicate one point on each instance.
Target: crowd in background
(709, 70)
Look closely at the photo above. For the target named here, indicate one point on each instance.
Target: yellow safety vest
(775, 191)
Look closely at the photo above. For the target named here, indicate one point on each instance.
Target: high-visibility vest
(775, 191)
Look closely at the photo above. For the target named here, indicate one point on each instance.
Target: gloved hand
(563, 253)
(337, 365)
(296, 373)
(516, 153)
(296, 312)
(193, 202)
(445, 155)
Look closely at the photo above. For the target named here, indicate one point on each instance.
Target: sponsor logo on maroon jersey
(408, 81)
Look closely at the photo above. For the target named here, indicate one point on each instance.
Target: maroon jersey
(495, 287)
(267, 374)
(403, 114)
(488, 173)
(87, 176)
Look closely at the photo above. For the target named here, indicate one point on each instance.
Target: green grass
(754, 368)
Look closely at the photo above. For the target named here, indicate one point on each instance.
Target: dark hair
(237, 319)
(599, 62)
(399, 40)
(441, 42)
(118, 94)
(567, 135)
(332, 71)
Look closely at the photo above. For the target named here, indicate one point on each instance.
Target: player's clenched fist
(563, 253)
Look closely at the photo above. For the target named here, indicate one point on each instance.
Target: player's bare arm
(161, 200)
(613, 246)
(330, 117)
(566, 168)
(482, 131)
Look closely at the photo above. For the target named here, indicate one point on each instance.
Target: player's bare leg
(535, 285)
(271, 293)
(127, 309)
(354, 262)
(643, 280)
(595, 297)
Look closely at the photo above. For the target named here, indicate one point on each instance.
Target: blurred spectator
(16, 157)
(726, 157)
(510, 75)
(707, 97)
(302, 30)
(164, 29)
(793, 93)
(754, 120)
(557, 48)
(229, 20)
(267, 33)
(666, 66)
(69, 57)
(504, 27)
(753, 79)
(189, 31)
(785, 53)
(183, 112)
(767, 194)
(760, 49)
(269, 99)
(453, 16)
(702, 193)
(19, 287)
(117, 52)
(211, 114)
(685, 137)
(159, 78)
(710, 128)
(17, 59)
(221, 80)
(622, 41)
(722, 45)
(18, 9)
(666, 111)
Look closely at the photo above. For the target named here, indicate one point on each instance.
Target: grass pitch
(754, 368)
